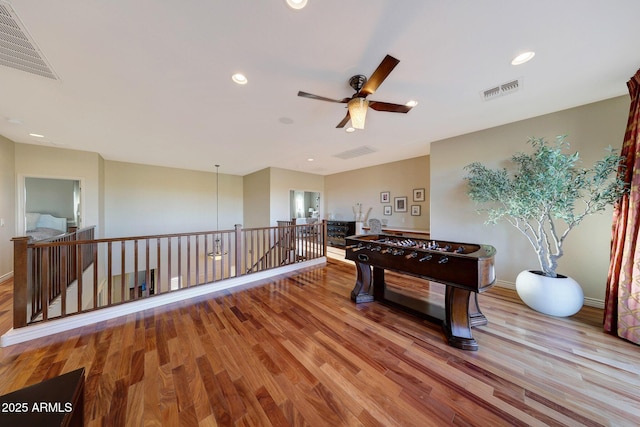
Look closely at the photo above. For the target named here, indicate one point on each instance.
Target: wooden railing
(58, 266)
(285, 244)
(77, 273)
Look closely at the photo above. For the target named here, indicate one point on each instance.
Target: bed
(44, 226)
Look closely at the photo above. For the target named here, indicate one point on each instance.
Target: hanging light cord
(217, 197)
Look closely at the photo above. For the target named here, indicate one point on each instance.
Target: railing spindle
(109, 273)
(46, 283)
(188, 262)
(147, 271)
(170, 279)
(79, 270)
(198, 260)
(158, 275)
(180, 262)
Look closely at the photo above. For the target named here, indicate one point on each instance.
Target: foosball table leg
(476, 318)
(457, 322)
(363, 289)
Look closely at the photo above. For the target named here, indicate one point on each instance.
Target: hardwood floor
(296, 351)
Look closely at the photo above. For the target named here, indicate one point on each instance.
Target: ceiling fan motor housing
(357, 81)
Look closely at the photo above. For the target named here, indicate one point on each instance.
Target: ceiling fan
(358, 103)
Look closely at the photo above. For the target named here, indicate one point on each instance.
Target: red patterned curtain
(622, 304)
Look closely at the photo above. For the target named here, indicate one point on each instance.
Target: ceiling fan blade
(344, 121)
(384, 69)
(322, 98)
(387, 106)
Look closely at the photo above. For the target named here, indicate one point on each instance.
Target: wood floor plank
(151, 395)
(135, 405)
(219, 407)
(296, 351)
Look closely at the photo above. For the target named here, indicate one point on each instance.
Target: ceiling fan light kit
(357, 104)
(358, 112)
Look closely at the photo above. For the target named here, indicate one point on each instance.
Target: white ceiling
(149, 81)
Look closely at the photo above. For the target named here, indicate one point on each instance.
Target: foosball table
(466, 269)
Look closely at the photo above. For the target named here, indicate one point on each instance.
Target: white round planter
(556, 296)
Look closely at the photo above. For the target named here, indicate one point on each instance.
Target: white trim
(39, 330)
(592, 302)
(589, 302)
(504, 284)
(7, 276)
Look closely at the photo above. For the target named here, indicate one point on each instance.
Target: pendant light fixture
(217, 253)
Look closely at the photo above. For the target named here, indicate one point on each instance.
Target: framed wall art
(418, 194)
(385, 197)
(387, 210)
(400, 204)
(415, 210)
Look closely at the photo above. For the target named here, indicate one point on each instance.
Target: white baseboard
(7, 276)
(39, 330)
(592, 302)
(589, 302)
(504, 284)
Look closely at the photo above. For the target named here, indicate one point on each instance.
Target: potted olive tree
(545, 196)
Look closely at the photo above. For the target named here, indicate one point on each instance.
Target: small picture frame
(385, 197)
(387, 210)
(415, 210)
(400, 204)
(418, 194)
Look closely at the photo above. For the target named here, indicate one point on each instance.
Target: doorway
(58, 197)
(304, 204)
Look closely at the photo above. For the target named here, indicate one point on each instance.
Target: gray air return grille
(356, 152)
(501, 90)
(17, 49)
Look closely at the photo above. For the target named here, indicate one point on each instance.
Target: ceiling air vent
(501, 90)
(17, 49)
(356, 152)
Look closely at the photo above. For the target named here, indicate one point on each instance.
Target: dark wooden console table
(58, 401)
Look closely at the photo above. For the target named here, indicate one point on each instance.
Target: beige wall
(256, 199)
(282, 182)
(266, 194)
(7, 206)
(141, 199)
(344, 190)
(49, 162)
(590, 129)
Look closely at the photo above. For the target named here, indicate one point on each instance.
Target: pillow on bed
(32, 219)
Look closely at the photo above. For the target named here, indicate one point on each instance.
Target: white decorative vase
(555, 296)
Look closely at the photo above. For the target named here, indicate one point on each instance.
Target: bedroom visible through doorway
(59, 198)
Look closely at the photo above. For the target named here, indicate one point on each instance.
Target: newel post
(239, 270)
(20, 280)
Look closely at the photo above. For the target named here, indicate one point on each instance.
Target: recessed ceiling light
(296, 4)
(310, 159)
(350, 129)
(239, 78)
(522, 58)
(36, 135)
(411, 103)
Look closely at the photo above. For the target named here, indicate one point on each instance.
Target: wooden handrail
(78, 273)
